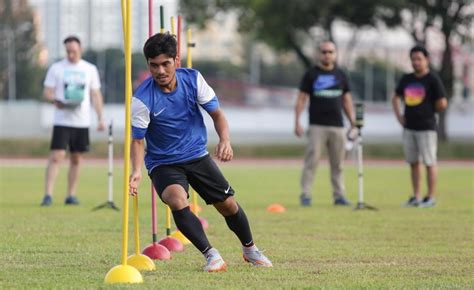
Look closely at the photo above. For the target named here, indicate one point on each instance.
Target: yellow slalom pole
(126, 154)
(124, 273)
(168, 221)
(138, 260)
(172, 25)
(189, 64)
(189, 60)
(135, 223)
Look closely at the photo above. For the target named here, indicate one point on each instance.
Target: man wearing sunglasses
(327, 89)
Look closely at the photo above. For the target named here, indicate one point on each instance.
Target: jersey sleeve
(95, 79)
(345, 83)
(205, 95)
(306, 84)
(400, 87)
(438, 88)
(140, 118)
(50, 79)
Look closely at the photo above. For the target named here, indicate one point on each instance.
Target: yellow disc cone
(178, 235)
(123, 274)
(141, 262)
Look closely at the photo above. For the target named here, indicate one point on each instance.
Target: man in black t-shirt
(424, 95)
(327, 89)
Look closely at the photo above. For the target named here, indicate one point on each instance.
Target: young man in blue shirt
(166, 113)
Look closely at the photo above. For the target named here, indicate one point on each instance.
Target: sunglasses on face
(327, 51)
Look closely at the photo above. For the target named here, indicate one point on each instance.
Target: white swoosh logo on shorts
(157, 114)
(227, 190)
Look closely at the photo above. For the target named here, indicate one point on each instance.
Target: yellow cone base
(178, 235)
(123, 274)
(141, 262)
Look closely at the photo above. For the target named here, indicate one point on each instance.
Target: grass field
(319, 247)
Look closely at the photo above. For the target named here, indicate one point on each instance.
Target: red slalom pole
(154, 251)
(150, 18)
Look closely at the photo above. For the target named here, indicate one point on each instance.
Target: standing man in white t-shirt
(70, 85)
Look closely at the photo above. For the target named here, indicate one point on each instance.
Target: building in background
(98, 23)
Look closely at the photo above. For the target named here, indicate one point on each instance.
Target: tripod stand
(360, 170)
(110, 201)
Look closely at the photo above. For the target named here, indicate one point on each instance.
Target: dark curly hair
(160, 43)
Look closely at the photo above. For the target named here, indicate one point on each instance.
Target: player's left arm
(348, 107)
(98, 104)
(223, 150)
(207, 99)
(441, 102)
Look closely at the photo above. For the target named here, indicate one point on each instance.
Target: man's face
(162, 69)
(73, 51)
(419, 61)
(327, 53)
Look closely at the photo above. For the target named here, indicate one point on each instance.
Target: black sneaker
(304, 200)
(341, 201)
(71, 200)
(47, 200)
(412, 202)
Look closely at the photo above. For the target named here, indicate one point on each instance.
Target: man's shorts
(202, 174)
(420, 146)
(74, 139)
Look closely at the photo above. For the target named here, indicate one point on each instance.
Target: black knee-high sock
(239, 224)
(191, 228)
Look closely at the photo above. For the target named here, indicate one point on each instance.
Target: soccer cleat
(305, 200)
(71, 200)
(341, 201)
(427, 202)
(214, 263)
(255, 257)
(47, 200)
(412, 202)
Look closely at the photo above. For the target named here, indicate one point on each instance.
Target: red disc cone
(172, 244)
(156, 251)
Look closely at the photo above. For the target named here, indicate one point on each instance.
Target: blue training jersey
(172, 123)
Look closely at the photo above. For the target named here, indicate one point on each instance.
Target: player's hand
(101, 125)
(135, 179)
(299, 131)
(58, 104)
(401, 120)
(352, 133)
(224, 151)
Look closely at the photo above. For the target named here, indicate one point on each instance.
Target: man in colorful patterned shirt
(423, 95)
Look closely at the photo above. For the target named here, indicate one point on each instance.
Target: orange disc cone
(276, 208)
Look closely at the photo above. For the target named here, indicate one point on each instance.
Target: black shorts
(74, 139)
(202, 174)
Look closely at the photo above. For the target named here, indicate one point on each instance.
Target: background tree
(286, 25)
(16, 25)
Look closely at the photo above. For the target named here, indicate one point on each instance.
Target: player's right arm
(48, 94)
(397, 110)
(300, 104)
(140, 120)
(137, 154)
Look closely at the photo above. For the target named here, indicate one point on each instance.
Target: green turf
(318, 247)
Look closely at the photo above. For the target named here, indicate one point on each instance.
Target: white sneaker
(214, 263)
(256, 257)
